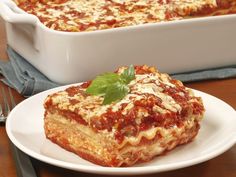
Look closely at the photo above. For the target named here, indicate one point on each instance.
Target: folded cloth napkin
(27, 80)
(22, 76)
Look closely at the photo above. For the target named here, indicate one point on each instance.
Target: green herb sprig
(112, 86)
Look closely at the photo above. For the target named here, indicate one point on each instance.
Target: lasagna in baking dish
(90, 15)
(153, 115)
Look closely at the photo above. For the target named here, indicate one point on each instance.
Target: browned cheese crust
(91, 15)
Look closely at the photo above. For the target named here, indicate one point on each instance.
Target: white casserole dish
(68, 57)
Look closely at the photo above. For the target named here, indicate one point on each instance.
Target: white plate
(217, 134)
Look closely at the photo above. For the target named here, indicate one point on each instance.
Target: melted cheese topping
(154, 101)
(90, 106)
(89, 15)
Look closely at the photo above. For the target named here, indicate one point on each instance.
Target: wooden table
(222, 166)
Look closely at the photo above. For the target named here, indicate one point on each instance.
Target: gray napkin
(212, 73)
(22, 76)
(27, 80)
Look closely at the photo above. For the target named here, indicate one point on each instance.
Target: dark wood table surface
(222, 166)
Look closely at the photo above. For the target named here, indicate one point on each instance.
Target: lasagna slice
(157, 114)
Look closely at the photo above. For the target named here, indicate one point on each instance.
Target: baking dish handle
(10, 13)
(22, 27)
